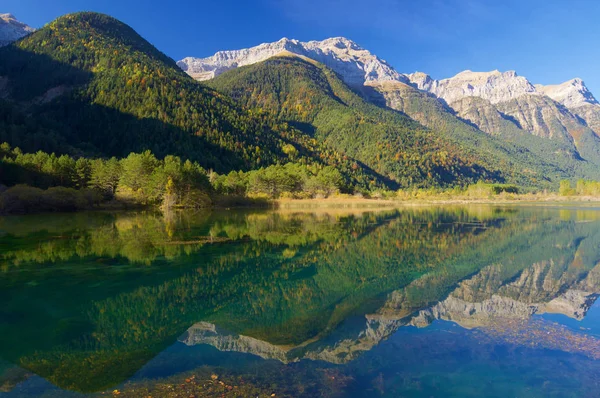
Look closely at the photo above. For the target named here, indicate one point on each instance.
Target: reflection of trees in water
(145, 237)
(286, 279)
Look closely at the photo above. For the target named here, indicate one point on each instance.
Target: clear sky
(548, 41)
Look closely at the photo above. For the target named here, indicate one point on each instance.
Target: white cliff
(494, 86)
(491, 99)
(572, 93)
(12, 30)
(355, 64)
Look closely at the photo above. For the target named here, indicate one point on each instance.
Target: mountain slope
(312, 95)
(557, 145)
(543, 111)
(528, 159)
(546, 118)
(89, 84)
(574, 95)
(102, 88)
(358, 68)
(12, 30)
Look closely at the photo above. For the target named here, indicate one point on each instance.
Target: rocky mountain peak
(356, 65)
(572, 93)
(338, 42)
(11, 29)
(494, 86)
(421, 80)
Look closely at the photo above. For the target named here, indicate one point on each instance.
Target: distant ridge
(355, 64)
(503, 104)
(12, 30)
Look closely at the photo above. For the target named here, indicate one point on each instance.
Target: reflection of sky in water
(440, 360)
(589, 325)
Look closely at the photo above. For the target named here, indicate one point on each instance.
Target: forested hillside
(313, 98)
(88, 85)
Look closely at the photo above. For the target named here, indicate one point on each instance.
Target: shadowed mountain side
(121, 134)
(48, 106)
(88, 84)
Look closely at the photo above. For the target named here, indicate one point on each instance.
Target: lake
(469, 301)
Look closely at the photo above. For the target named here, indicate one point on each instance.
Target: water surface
(446, 301)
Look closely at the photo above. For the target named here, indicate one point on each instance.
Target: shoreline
(350, 203)
(391, 203)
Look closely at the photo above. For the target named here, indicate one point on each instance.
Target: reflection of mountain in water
(567, 283)
(281, 286)
(535, 290)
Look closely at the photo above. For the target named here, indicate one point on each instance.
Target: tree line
(48, 182)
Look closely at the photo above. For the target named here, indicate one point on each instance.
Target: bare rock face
(419, 105)
(494, 86)
(483, 114)
(572, 93)
(422, 81)
(590, 114)
(543, 117)
(499, 101)
(12, 30)
(355, 64)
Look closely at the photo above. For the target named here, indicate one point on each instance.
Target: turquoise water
(450, 301)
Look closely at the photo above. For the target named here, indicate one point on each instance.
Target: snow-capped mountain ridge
(11, 29)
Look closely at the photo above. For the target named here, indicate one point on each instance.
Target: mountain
(544, 111)
(12, 30)
(468, 120)
(355, 64)
(493, 86)
(531, 131)
(311, 96)
(89, 84)
(572, 93)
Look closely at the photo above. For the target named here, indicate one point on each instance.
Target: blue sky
(548, 41)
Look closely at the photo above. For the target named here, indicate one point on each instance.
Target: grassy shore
(354, 202)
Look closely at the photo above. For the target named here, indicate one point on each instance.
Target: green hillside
(89, 85)
(530, 160)
(314, 99)
(449, 151)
